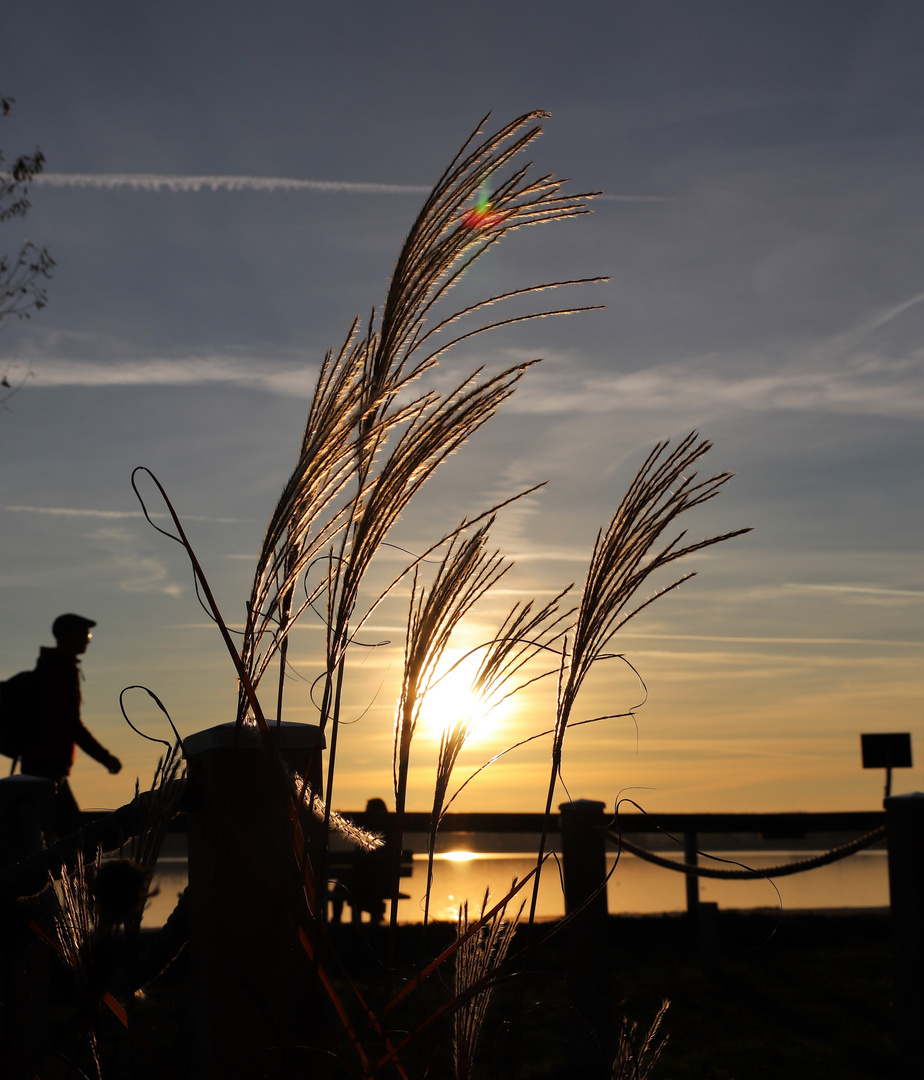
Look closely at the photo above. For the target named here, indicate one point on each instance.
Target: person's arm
(96, 750)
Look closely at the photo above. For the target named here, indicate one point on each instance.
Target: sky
(228, 185)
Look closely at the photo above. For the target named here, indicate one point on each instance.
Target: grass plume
(478, 955)
(624, 556)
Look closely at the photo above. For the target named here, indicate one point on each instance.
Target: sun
(452, 698)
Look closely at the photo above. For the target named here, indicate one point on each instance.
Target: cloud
(550, 555)
(845, 373)
(866, 387)
(52, 373)
(136, 572)
(741, 640)
(67, 511)
(867, 590)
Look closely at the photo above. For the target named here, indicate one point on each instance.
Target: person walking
(57, 728)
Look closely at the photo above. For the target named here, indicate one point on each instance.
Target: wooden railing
(772, 826)
(686, 829)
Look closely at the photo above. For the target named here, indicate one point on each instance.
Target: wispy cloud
(866, 590)
(52, 373)
(847, 372)
(550, 555)
(69, 511)
(770, 640)
(135, 571)
(867, 387)
(167, 182)
(844, 373)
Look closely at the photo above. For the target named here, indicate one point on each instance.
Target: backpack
(17, 709)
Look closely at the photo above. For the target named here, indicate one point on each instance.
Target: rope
(771, 872)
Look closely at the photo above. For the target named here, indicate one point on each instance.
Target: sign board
(892, 751)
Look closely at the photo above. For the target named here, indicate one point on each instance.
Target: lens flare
(481, 216)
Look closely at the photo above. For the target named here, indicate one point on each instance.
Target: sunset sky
(228, 185)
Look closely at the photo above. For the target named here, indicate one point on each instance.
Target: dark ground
(793, 996)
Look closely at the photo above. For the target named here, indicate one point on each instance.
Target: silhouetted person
(56, 726)
(368, 884)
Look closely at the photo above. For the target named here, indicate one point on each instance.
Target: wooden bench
(343, 869)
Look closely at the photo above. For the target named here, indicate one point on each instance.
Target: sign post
(886, 751)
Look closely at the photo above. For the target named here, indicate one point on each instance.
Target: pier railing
(687, 832)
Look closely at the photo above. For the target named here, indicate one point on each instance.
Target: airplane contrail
(180, 183)
(167, 182)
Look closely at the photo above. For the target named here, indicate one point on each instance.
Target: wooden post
(905, 818)
(249, 976)
(583, 848)
(691, 858)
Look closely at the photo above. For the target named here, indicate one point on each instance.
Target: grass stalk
(624, 556)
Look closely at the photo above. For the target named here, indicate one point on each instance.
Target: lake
(635, 887)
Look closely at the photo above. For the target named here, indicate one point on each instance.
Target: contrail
(894, 312)
(167, 182)
(604, 197)
(163, 182)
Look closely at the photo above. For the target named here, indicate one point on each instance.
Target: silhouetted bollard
(905, 819)
(583, 850)
(248, 973)
(27, 812)
(691, 858)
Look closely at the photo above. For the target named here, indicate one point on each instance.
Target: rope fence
(797, 867)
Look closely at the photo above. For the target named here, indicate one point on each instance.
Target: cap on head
(69, 624)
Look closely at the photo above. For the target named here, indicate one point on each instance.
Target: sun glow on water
(457, 856)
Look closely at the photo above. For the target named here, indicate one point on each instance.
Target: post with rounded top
(583, 849)
(905, 821)
(248, 973)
